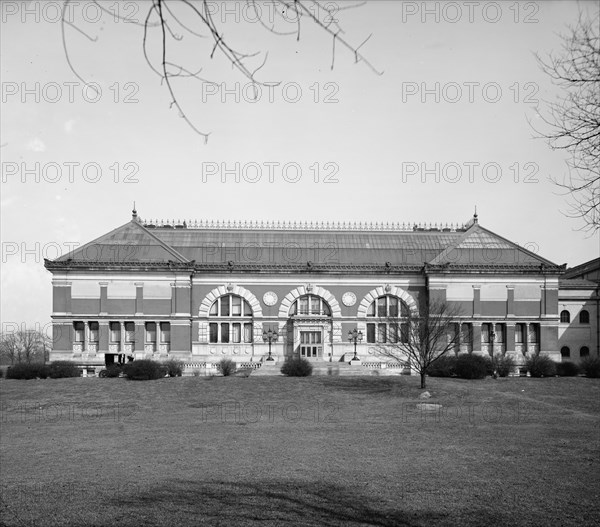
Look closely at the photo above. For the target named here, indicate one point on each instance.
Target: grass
(299, 451)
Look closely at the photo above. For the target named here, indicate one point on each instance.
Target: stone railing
(375, 365)
(253, 365)
(395, 366)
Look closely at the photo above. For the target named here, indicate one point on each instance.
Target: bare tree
(170, 22)
(574, 119)
(9, 347)
(24, 345)
(421, 339)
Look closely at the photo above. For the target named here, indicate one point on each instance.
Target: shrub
(63, 368)
(226, 367)
(590, 366)
(567, 369)
(113, 370)
(504, 365)
(144, 370)
(471, 366)
(445, 366)
(297, 368)
(174, 368)
(27, 371)
(540, 366)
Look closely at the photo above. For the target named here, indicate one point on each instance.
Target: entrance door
(311, 344)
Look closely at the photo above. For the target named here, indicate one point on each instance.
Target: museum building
(202, 291)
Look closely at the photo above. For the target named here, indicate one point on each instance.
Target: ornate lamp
(270, 337)
(355, 336)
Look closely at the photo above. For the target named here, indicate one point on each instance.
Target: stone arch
(374, 294)
(292, 296)
(217, 292)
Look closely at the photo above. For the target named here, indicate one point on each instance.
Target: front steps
(329, 368)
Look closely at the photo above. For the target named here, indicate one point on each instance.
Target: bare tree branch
(161, 13)
(573, 121)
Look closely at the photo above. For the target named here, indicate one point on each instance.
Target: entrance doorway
(311, 344)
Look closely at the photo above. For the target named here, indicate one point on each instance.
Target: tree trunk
(422, 380)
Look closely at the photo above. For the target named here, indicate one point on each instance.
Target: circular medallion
(270, 298)
(349, 299)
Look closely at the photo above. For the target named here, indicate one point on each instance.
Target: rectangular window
(225, 333)
(79, 331)
(115, 332)
(381, 308)
(519, 333)
(236, 333)
(213, 330)
(236, 306)
(393, 333)
(467, 334)
(371, 333)
(485, 333)
(248, 333)
(381, 333)
(129, 332)
(393, 306)
(303, 306)
(500, 333)
(151, 332)
(315, 305)
(165, 332)
(404, 333)
(94, 332)
(225, 306)
(534, 333)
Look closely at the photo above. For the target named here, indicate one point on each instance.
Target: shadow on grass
(270, 503)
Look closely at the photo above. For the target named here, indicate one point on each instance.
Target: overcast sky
(443, 129)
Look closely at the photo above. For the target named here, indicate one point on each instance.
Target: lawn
(300, 451)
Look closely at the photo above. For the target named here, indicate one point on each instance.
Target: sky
(440, 123)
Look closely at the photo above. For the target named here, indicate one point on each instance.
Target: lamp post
(355, 336)
(492, 339)
(270, 337)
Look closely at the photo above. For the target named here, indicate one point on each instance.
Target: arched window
(310, 305)
(392, 326)
(235, 325)
(584, 351)
(565, 316)
(584, 317)
(565, 352)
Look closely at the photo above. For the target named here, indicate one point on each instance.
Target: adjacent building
(202, 291)
(578, 305)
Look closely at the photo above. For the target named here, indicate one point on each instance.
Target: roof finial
(475, 220)
(134, 213)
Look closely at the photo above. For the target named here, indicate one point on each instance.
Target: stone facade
(200, 293)
(579, 313)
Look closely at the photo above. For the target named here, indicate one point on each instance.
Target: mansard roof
(299, 247)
